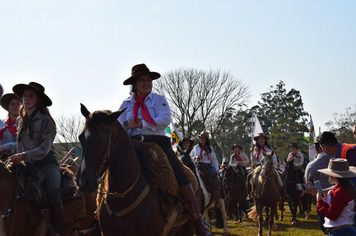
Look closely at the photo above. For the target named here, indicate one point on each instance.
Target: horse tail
(253, 214)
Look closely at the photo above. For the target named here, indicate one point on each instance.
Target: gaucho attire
(35, 141)
(153, 127)
(239, 157)
(8, 135)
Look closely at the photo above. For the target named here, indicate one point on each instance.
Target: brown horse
(14, 219)
(130, 204)
(266, 189)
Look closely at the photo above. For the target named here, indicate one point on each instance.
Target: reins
(100, 179)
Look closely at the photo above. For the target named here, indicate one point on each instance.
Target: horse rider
(146, 118)
(8, 146)
(204, 153)
(263, 145)
(184, 148)
(239, 159)
(36, 133)
(297, 156)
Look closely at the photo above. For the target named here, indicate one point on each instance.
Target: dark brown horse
(130, 204)
(14, 220)
(236, 186)
(266, 189)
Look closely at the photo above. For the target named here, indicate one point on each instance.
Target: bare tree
(200, 99)
(68, 130)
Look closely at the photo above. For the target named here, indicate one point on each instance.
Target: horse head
(99, 129)
(291, 172)
(267, 164)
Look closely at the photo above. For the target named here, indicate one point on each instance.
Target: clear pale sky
(82, 51)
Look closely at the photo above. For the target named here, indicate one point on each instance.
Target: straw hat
(5, 100)
(236, 145)
(141, 69)
(260, 135)
(339, 168)
(19, 89)
(204, 134)
(185, 139)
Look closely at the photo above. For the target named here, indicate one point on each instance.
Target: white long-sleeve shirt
(159, 110)
(205, 157)
(298, 158)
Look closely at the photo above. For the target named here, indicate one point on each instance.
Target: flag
(312, 149)
(225, 156)
(257, 126)
(173, 133)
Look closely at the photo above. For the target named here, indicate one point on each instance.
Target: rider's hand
(17, 158)
(132, 124)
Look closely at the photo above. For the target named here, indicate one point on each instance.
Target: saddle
(207, 179)
(31, 186)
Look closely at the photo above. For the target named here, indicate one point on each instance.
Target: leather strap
(48, 222)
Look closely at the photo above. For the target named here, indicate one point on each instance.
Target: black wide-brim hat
(191, 142)
(141, 69)
(260, 135)
(5, 100)
(19, 89)
(236, 145)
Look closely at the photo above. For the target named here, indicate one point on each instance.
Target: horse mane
(99, 119)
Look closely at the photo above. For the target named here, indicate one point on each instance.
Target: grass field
(248, 227)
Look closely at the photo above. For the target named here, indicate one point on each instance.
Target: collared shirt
(41, 144)
(276, 163)
(206, 158)
(244, 159)
(157, 107)
(9, 141)
(298, 158)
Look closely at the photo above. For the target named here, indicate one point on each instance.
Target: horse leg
(272, 225)
(267, 215)
(223, 213)
(260, 218)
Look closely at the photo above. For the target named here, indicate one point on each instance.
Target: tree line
(215, 101)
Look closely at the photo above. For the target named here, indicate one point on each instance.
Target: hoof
(294, 222)
(274, 227)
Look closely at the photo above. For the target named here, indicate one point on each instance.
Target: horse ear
(115, 115)
(84, 111)
(273, 152)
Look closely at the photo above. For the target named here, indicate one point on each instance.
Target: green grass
(248, 227)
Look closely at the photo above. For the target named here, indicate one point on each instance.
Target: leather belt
(146, 138)
(339, 227)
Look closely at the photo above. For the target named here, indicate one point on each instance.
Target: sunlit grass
(302, 228)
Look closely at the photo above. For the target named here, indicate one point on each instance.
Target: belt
(146, 138)
(339, 227)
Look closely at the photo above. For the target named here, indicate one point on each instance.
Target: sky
(82, 51)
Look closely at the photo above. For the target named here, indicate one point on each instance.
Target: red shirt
(340, 197)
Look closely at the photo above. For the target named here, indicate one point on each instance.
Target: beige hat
(204, 134)
(339, 168)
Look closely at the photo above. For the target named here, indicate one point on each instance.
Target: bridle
(100, 174)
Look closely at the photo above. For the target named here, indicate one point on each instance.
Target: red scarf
(144, 110)
(293, 155)
(237, 156)
(201, 153)
(10, 126)
(259, 151)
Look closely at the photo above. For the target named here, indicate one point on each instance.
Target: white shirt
(299, 160)
(159, 110)
(243, 156)
(205, 159)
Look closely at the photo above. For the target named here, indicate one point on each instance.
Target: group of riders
(29, 131)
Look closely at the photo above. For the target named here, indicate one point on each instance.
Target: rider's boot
(94, 230)
(217, 198)
(249, 197)
(188, 196)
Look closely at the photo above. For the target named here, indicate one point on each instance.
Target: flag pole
(252, 131)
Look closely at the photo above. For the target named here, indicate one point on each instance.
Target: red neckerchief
(10, 126)
(201, 153)
(293, 155)
(237, 156)
(259, 151)
(144, 110)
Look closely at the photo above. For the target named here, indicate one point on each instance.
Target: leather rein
(103, 168)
